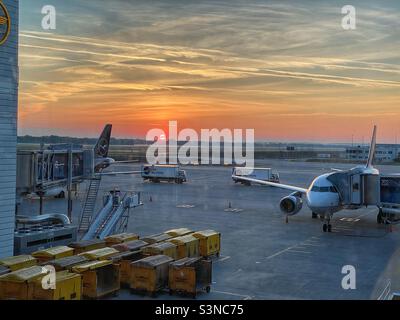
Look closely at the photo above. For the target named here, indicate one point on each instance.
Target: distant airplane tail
(372, 148)
(102, 145)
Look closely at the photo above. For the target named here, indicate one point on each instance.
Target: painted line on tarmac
(221, 259)
(244, 297)
(313, 244)
(289, 248)
(299, 251)
(386, 291)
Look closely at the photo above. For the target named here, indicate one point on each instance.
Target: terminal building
(8, 121)
(383, 153)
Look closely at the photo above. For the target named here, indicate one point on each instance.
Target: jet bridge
(356, 188)
(389, 206)
(38, 171)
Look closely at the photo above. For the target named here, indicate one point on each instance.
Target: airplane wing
(117, 173)
(272, 184)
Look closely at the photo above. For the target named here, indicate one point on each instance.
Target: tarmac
(262, 256)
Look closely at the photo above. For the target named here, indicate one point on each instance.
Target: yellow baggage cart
(161, 248)
(18, 262)
(178, 232)
(187, 246)
(53, 253)
(68, 286)
(67, 263)
(210, 242)
(157, 238)
(87, 245)
(130, 245)
(100, 278)
(120, 238)
(150, 274)
(190, 275)
(15, 285)
(4, 270)
(124, 259)
(100, 254)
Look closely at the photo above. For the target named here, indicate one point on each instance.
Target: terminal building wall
(8, 130)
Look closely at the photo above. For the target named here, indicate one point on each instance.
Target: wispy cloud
(211, 60)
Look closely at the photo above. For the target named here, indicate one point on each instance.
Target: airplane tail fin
(372, 148)
(102, 145)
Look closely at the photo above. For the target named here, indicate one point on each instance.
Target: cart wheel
(208, 289)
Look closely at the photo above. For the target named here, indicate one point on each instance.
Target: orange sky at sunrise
(214, 64)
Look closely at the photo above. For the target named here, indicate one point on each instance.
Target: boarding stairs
(110, 220)
(89, 205)
(113, 216)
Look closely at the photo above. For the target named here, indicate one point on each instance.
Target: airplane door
(355, 188)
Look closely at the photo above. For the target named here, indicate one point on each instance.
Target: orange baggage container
(150, 274)
(178, 232)
(68, 287)
(87, 245)
(100, 254)
(4, 270)
(53, 253)
(120, 238)
(100, 278)
(130, 245)
(162, 248)
(67, 263)
(124, 259)
(15, 285)
(210, 242)
(187, 246)
(190, 275)
(157, 238)
(18, 262)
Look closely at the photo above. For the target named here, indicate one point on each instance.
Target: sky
(286, 69)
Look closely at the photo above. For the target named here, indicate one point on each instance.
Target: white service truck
(157, 173)
(265, 174)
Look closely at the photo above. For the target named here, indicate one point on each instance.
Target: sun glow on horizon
(211, 65)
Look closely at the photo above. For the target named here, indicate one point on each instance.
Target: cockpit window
(324, 189)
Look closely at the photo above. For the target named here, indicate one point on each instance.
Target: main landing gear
(327, 227)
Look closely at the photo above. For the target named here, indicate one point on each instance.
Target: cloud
(218, 59)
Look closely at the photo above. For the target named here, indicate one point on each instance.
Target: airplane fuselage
(322, 196)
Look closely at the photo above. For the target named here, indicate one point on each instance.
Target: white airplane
(327, 194)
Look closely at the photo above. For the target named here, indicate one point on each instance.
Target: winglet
(372, 148)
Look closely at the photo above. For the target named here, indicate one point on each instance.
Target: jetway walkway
(114, 215)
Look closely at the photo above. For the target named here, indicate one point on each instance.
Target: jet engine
(291, 205)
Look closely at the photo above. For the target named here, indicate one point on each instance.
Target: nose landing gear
(327, 227)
